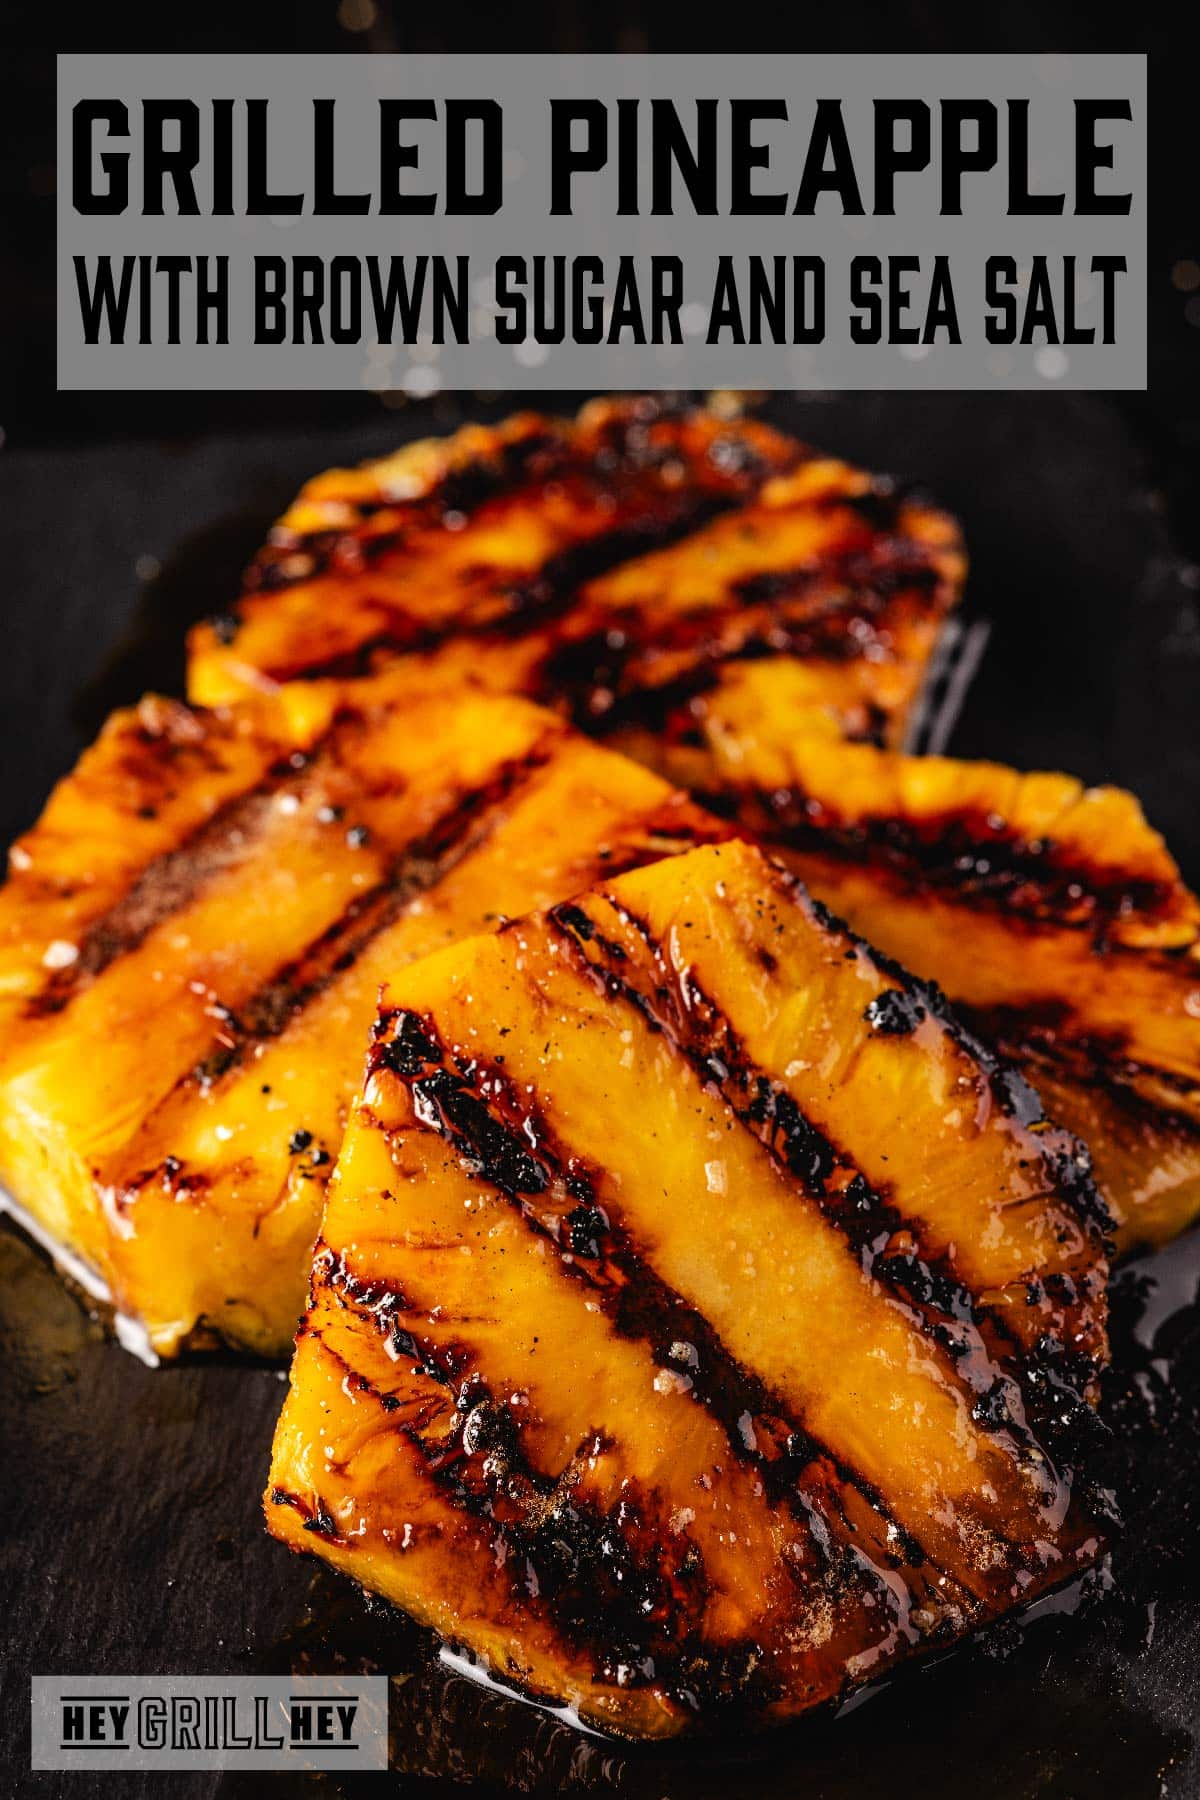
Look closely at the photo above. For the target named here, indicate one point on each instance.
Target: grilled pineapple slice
(191, 945)
(1052, 915)
(623, 568)
(701, 1321)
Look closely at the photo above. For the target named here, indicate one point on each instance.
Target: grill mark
(870, 575)
(623, 461)
(580, 677)
(667, 711)
(615, 461)
(414, 869)
(315, 1519)
(858, 584)
(601, 1579)
(516, 605)
(1046, 1032)
(661, 707)
(665, 830)
(463, 490)
(671, 716)
(885, 1241)
(547, 593)
(970, 855)
(1063, 1157)
(505, 1139)
(1049, 1031)
(171, 881)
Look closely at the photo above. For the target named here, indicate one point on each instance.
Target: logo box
(209, 1722)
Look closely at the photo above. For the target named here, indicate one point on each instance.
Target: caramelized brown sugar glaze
(701, 1320)
(1053, 916)
(626, 567)
(787, 598)
(192, 940)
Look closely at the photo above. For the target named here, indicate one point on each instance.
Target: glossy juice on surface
(701, 1320)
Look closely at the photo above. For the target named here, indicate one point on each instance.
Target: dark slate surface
(131, 1538)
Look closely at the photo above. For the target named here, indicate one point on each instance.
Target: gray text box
(525, 86)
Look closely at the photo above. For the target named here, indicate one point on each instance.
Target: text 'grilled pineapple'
(1052, 915)
(626, 567)
(191, 944)
(701, 1321)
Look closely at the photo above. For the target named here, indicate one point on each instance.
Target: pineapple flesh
(701, 1320)
(779, 604)
(192, 940)
(1052, 915)
(626, 568)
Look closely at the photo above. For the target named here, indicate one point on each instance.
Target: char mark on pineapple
(316, 1519)
(515, 606)
(621, 1584)
(1065, 1158)
(975, 1338)
(292, 556)
(859, 579)
(171, 881)
(414, 869)
(825, 610)
(1047, 1033)
(502, 1135)
(628, 463)
(549, 591)
(971, 856)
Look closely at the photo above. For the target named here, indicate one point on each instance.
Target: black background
(130, 1537)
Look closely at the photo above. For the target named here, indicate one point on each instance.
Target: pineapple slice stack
(705, 1314)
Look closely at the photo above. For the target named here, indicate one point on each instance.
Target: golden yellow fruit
(1052, 915)
(191, 944)
(625, 567)
(701, 1322)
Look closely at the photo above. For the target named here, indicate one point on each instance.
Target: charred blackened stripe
(847, 595)
(514, 605)
(638, 470)
(605, 694)
(1064, 1158)
(974, 858)
(670, 715)
(622, 1586)
(546, 593)
(585, 674)
(650, 503)
(595, 677)
(1045, 1038)
(171, 881)
(1048, 1031)
(970, 1336)
(317, 1519)
(540, 455)
(417, 867)
(292, 557)
(502, 1137)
